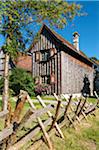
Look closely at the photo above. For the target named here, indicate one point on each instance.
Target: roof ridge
(63, 40)
(58, 36)
(67, 43)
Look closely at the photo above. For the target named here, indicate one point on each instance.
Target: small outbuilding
(59, 63)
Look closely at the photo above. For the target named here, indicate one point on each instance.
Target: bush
(20, 79)
(41, 89)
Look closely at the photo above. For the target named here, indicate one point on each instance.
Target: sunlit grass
(86, 137)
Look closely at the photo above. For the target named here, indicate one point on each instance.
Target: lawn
(86, 137)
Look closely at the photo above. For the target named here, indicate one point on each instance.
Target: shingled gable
(65, 45)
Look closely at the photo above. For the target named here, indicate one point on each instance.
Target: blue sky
(86, 26)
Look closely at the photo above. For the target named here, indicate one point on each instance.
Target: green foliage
(17, 14)
(20, 79)
(94, 59)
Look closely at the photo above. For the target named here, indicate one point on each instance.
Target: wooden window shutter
(52, 78)
(38, 56)
(52, 51)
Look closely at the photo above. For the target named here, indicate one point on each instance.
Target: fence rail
(47, 120)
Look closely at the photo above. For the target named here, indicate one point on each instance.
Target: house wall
(73, 72)
(39, 69)
(69, 71)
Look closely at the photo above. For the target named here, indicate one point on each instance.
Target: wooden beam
(29, 136)
(56, 114)
(3, 113)
(76, 111)
(57, 98)
(41, 124)
(6, 132)
(68, 105)
(19, 106)
(39, 113)
(72, 109)
(50, 115)
(80, 111)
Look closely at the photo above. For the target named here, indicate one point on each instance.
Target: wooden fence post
(72, 109)
(16, 116)
(67, 106)
(19, 106)
(50, 115)
(56, 114)
(77, 108)
(81, 110)
(41, 124)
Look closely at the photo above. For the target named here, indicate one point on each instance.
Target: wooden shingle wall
(69, 71)
(73, 72)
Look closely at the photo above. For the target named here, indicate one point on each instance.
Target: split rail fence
(39, 124)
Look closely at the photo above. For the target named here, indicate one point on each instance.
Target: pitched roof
(24, 61)
(65, 43)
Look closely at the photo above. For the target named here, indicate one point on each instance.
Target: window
(45, 56)
(37, 56)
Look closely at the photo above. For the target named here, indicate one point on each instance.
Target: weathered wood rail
(3, 113)
(46, 120)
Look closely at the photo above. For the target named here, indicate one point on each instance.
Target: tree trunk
(6, 82)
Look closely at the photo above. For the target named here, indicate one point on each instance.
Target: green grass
(92, 100)
(86, 137)
(46, 97)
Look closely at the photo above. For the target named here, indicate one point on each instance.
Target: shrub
(20, 79)
(41, 89)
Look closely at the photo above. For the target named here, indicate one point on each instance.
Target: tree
(86, 87)
(15, 15)
(93, 59)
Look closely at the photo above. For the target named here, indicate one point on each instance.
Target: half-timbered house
(59, 63)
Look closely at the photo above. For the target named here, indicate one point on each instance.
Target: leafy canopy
(16, 15)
